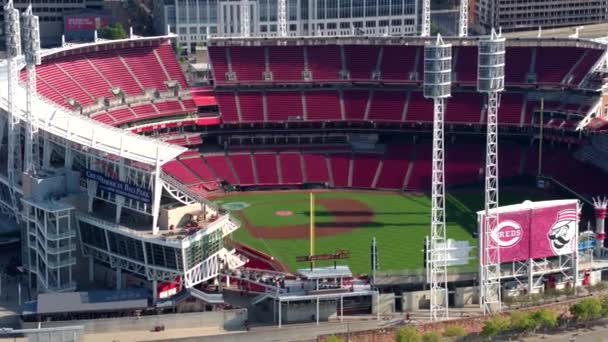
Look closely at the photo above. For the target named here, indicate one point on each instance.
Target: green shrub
(334, 338)
(495, 326)
(544, 319)
(431, 336)
(407, 334)
(522, 321)
(604, 303)
(454, 331)
(587, 309)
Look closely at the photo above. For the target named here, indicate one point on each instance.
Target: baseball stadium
(303, 161)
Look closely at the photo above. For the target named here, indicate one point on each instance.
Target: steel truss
(32, 58)
(438, 243)
(437, 85)
(491, 81)
(13, 46)
(491, 250)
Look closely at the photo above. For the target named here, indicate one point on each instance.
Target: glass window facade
(196, 18)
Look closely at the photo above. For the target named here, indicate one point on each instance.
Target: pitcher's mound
(283, 213)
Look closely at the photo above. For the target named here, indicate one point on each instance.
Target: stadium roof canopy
(86, 132)
(584, 31)
(55, 303)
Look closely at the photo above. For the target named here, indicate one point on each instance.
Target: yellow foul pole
(312, 227)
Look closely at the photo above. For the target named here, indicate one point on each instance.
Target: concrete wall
(228, 320)
(171, 216)
(417, 300)
(385, 304)
(464, 296)
(306, 311)
(294, 312)
(470, 325)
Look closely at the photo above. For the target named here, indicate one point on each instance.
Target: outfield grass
(400, 225)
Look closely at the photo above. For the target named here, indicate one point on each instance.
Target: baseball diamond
(349, 220)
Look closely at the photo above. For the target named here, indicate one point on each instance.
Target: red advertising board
(535, 230)
(555, 231)
(84, 23)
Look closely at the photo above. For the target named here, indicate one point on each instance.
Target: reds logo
(562, 233)
(507, 234)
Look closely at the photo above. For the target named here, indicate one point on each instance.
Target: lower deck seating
(399, 167)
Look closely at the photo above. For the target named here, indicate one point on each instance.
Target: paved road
(292, 332)
(598, 334)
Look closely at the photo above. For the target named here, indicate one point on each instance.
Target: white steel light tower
(31, 39)
(245, 18)
(13, 47)
(437, 86)
(491, 79)
(282, 18)
(425, 29)
(463, 21)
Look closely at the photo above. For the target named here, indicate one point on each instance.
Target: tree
(112, 32)
(454, 331)
(587, 309)
(407, 334)
(544, 319)
(495, 326)
(522, 321)
(431, 336)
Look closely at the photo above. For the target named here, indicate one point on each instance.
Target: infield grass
(400, 224)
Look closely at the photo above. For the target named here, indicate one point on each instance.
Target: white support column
(600, 206)
(530, 276)
(425, 29)
(154, 291)
(463, 21)
(341, 308)
(317, 310)
(245, 18)
(280, 313)
(157, 192)
(282, 18)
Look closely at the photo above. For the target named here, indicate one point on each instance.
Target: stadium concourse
(320, 113)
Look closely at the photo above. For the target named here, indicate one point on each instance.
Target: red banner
(84, 23)
(555, 231)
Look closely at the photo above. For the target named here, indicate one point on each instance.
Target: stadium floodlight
(31, 30)
(463, 20)
(13, 47)
(437, 86)
(425, 29)
(491, 80)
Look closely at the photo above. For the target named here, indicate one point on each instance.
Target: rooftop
(101, 300)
